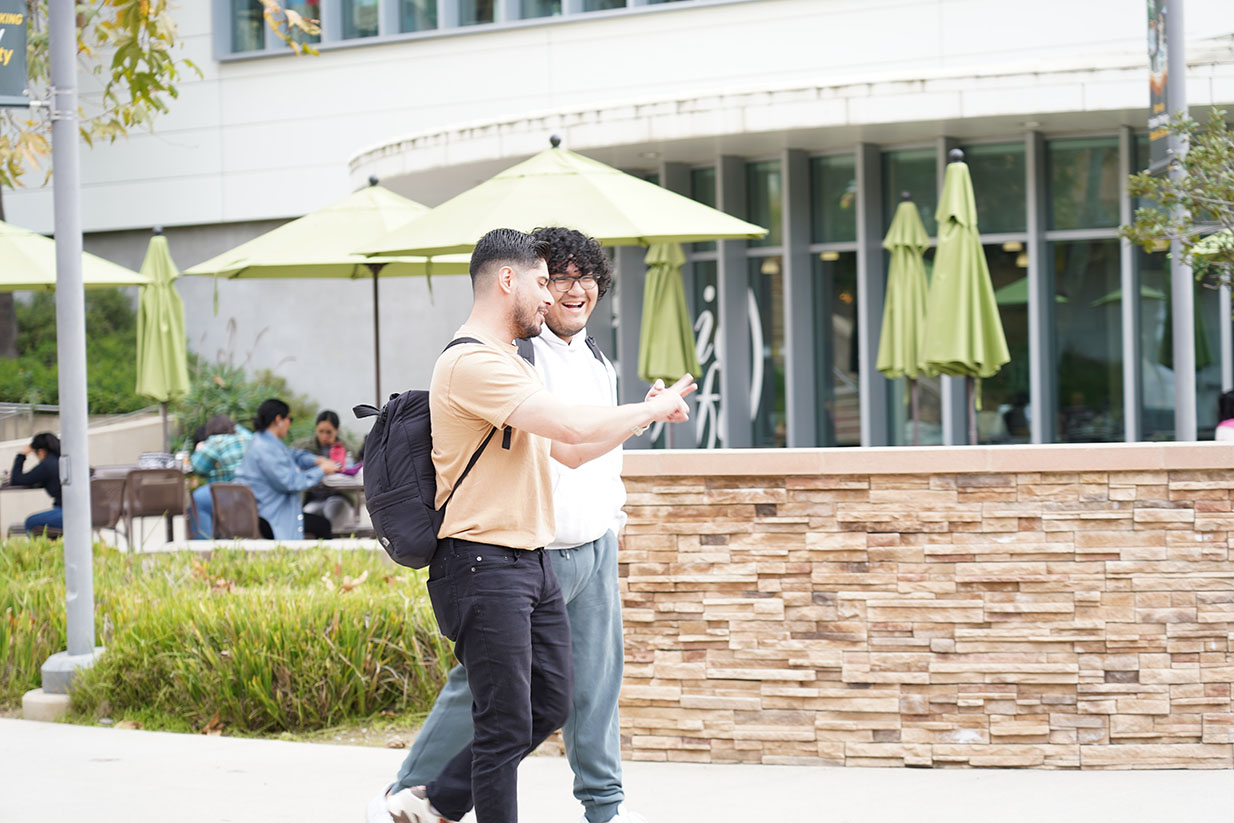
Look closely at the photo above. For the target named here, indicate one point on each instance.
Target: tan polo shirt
(507, 498)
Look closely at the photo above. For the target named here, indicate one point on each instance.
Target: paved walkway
(51, 772)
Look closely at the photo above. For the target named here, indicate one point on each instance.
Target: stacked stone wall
(1073, 619)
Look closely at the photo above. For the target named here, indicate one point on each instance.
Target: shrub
(253, 642)
(111, 357)
(221, 388)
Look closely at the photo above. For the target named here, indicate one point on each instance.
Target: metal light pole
(1182, 282)
(71, 349)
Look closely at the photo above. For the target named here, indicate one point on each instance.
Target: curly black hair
(566, 246)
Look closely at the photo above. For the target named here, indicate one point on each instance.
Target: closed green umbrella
(666, 339)
(901, 343)
(560, 188)
(162, 365)
(28, 263)
(964, 334)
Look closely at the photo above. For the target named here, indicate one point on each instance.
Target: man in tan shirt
(493, 590)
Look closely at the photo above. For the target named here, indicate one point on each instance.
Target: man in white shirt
(587, 503)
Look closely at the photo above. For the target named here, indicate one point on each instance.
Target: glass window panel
(359, 18)
(767, 351)
(999, 186)
(703, 189)
(1088, 341)
(417, 15)
(914, 171)
(1157, 352)
(540, 8)
(248, 28)
(1084, 180)
(1003, 417)
(472, 12)
(763, 200)
(837, 367)
(310, 9)
(833, 198)
(705, 303)
(601, 5)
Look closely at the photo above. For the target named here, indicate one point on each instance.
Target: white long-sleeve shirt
(587, 501)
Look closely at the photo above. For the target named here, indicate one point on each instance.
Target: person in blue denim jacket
(279, 474)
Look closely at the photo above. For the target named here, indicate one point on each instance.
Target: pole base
(37, 704)
(58, 670)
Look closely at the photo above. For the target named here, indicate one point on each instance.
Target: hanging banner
(1158, 86)
(13, 80)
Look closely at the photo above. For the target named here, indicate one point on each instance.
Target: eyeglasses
(563, 282)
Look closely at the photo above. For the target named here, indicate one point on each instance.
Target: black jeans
(503, 609)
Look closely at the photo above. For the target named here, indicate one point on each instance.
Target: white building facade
(810, 117)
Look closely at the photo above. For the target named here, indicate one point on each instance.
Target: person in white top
(587, 504)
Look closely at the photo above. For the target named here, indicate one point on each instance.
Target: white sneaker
(378, 811)
(623, 815)
(412, 806)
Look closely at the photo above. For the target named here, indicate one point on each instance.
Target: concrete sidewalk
(57, 773)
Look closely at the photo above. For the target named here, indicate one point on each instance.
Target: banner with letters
(13, 79)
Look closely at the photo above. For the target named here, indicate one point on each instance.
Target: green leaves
(141, 76)
(1203, 190)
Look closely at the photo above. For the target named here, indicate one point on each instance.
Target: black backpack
(400, 483)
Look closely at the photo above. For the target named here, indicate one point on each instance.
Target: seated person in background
(1225, 414)
(336, 506)
(278, 474)
(216, 459)
(46, 475)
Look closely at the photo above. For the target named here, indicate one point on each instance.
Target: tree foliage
(1196, 205)
(130, 49)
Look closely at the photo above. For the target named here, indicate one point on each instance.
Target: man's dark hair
(219, 424)
(267, 411)
(566, 246)
(505, 247)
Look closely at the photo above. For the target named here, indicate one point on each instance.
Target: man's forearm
(602, 424)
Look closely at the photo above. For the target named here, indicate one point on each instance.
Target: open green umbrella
(964, 334)
(1015, 293)
(323, 244)
(560, 188)
(901, 341)
(666, 339)
(28, 263)
(162, 365)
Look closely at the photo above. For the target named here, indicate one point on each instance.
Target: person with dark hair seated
(278, 475)
(216, 459)
(46, 475)
(336, 506)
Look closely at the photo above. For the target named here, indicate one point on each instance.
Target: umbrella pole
(972, 411)
(375, 268)
(166, 439)
(912, 388)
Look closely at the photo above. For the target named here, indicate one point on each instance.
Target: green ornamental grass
(246, 642)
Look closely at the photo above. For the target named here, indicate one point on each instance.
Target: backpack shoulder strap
(526, 350)
(595, 350)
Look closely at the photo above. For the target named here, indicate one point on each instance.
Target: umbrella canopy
(162, 366)
(1015, 293)
(28, 263)
(560, 188)
(901, 342)
(666, 339)
(322, 243)
(964, 334)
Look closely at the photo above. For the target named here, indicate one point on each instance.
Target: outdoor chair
(154, 493)
(235, 511)
(106, 503)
